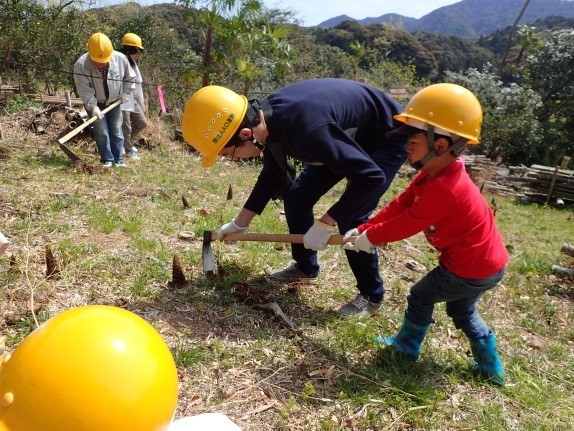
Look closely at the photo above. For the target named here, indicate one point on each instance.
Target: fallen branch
(567, 272)
(274, 307)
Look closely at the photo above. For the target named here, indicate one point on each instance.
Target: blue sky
(313, 12)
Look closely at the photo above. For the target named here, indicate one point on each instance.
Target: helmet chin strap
(258, 144)
(431, 152)
(252, 116)
(457, 148)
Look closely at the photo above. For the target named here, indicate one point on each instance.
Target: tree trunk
(509, 43)
(206, 60)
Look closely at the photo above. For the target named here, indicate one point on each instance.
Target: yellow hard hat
(100, 48)
(91, 368)
(449, 107)
(211, 117)
(132, 39)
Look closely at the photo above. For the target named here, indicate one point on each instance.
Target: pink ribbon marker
(160, 96)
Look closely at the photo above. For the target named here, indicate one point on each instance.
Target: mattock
(209, 267)
(62, 141)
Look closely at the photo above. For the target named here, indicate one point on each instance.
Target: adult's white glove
(230, 227)
(362, 243)
(317, 236)
(125, 97)
(97, 113)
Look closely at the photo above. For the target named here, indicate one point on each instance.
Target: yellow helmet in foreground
(91, 368)
(132, 39)
(211, 117)
(100, 48)
(449, 107)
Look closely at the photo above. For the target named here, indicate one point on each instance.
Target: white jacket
(138, 94)
(121, 79)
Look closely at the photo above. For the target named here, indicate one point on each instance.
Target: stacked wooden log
(534, 184)
(488, 175)
(543, 184)
(567, 272)
(58, 100)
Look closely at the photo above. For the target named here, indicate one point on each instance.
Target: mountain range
(469, 18)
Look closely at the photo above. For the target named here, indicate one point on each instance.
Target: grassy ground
(115, 234)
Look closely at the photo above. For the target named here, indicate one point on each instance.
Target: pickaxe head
(209, 266)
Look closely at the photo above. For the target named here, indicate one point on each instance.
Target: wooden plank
(58, 100)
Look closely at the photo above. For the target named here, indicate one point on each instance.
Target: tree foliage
(36, 40)
(549, 71)
(528, 113)
(378, 42)
(511, 130)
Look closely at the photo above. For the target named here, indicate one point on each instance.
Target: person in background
(95, 368)
(337, 128)
(134, 111)
(102, 76)
(444, 203)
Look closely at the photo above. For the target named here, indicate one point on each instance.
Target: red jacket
(454, 217)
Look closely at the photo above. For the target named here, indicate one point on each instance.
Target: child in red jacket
(444, 203)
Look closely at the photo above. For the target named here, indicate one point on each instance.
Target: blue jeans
(315, 181)
(109, 136)
(460, 295)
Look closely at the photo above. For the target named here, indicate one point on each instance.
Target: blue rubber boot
(487, 360)
(408, 340)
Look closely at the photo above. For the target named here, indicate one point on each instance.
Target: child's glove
(362, 243)
(350, 233)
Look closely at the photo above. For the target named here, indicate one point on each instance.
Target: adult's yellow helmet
(100, 48)
(449, 107)
(132, 39)
(90, 368)
(211, 117)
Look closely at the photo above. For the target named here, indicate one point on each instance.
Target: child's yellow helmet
(446, 106)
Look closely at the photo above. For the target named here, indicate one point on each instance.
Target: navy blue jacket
(332, 122)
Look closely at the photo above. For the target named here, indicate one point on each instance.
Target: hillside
(471, 18)
(115, 235)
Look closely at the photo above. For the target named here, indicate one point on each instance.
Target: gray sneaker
(360, 307)
(291, 273)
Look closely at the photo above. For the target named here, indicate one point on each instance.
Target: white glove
(350, 233)
(362, 243)
(125, 97)
(317, 236)
(203, 422)
(97, 113)
(3, 244)
(230, 227)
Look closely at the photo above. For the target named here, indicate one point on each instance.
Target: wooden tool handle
(81, 127)
(292, 238)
